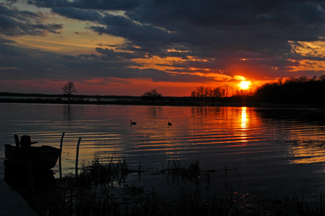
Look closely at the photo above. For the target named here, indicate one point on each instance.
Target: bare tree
(152, 95)
(322, 78)
(217, 92)
(208, 92)
(227, 89)
(69, 89)
(200, 91)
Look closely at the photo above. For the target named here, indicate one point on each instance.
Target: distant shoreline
(246, 101)
(164, 102)
(8, 94)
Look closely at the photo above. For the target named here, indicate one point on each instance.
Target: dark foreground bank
(104, 190)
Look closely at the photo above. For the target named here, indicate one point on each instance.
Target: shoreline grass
(102, 189)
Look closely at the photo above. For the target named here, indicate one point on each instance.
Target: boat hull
(43, 157)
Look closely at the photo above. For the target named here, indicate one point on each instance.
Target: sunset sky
(128, 47)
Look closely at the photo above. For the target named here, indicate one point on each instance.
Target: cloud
(155, 26)
(15, 23)
(258, 38)
(35, 64)
(110, 53)
(86, 4)
(88, 56)
(84, 15)
(121, 26)
(235, 24)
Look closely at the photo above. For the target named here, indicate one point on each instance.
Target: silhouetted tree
(227, 89)
(218, 92)
(152, 95)
(200, 91)
(209, 94)
(322, 78)
(242, 92)
(69, 89)
(293, 90)
(193, 94)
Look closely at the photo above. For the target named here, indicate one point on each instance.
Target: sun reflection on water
(244, 122)
(244, 119)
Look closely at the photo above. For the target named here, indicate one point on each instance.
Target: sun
(244, 84)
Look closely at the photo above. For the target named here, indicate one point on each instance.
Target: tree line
(217, 92)
(293, 90)
(300, 90)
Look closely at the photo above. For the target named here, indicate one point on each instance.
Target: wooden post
(77, 157)
(60, 167)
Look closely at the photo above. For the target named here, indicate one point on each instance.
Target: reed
(92, 193)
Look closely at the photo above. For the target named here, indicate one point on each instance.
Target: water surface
(276, 155)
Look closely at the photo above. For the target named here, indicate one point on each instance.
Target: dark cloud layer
(88, 4)
(237, 25)
(15, 23)
(208, 27)
(210, 36)
(77, 14)
(110, 53)
(57, 67)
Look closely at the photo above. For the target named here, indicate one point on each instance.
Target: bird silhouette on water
(169, 123)
(133, 123)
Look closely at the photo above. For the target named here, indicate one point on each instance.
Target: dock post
(77, 157)
(60, 167)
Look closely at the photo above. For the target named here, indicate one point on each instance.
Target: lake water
(276, 156)
(91, 98)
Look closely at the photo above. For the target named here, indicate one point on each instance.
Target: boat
(44, 157)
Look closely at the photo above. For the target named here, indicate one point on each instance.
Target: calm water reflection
(275, 155)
